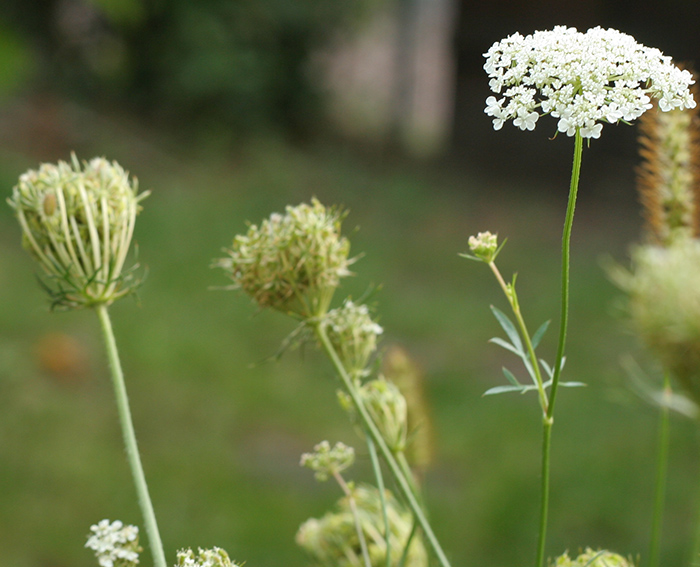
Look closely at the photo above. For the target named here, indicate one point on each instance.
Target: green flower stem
(401, 481)
(132, 451)
(661, 470)
(382, 497)
(565, 254)
(510, 294)
(356, 517)
(549, 417)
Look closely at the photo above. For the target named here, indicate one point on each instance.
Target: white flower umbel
(114, 544)
(582, 79)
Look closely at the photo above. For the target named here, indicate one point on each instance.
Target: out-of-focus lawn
(221, 428)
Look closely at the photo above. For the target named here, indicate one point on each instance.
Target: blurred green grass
(221, 427)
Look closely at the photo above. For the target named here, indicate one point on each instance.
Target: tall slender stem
(565, 253)
(376, 467)
(661, 470)
(371, 428)
(129, 435)
(549, 417)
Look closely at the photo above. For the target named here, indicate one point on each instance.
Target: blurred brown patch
(62, 358)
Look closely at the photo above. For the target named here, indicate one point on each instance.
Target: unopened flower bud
(387, 407)
(78, 223)
(293, 262)
(484, 246)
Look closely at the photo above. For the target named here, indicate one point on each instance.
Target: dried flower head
(332, 540)
(664, 306)
(353, 334)
(591, 558)
(114, 544)
(327, 461)
(669, 177)
(293, 262)
(78, 223)
(215, 557)
(582, 79)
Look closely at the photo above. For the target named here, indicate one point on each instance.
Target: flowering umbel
(114, 544)
(332, 540)
(354, 335)
(215, 557)
(293, 262)
(326, 461)
(78, 222)
(582, 79)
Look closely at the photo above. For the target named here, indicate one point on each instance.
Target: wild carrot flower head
(293, 262)
(114, 544)
(353, 334)
(326, 461)
(332, 540)
(215, 557)
(78, 221)
(582, 79)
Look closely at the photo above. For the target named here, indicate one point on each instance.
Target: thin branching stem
(371, 428)
(509, 291)
(376, 467)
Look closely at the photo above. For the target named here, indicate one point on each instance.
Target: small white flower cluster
(215, 557)
(581, 79)
(114, 544)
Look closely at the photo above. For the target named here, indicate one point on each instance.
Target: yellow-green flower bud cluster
(292, 262)
(78, 222)
(332, 540)
(326, 461)
(215, 557)
(592, 558)
(484, 246)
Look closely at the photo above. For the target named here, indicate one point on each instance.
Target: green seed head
(77, 222)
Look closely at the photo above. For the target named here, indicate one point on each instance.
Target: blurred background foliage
(228, 111)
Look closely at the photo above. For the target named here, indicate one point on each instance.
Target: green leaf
(510, 377)
(572, 384)
(508, 327)
(506, 345)
(537, 337)
(503, 389)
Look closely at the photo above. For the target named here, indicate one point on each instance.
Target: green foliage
(230, 65)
